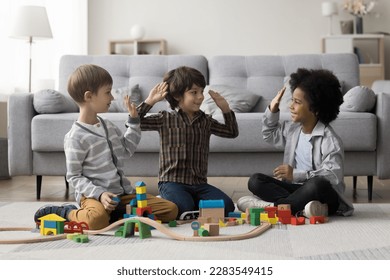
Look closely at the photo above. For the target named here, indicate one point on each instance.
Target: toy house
(52, 224)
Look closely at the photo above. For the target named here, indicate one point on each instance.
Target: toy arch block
(128, 229)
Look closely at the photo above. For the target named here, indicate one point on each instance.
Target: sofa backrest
(265, 75)
(127, 71)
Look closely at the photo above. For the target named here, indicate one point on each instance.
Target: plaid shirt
(184, 144)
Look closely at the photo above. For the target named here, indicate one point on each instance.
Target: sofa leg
(369, 185)
(354, 180)
(66, 184)
(39, 186)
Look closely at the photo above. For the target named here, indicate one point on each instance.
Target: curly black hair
(322, 91)
(180, 80)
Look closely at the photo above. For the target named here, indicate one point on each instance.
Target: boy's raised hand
(220, 101)
(157, 93)
(131, 107)
(274, 106)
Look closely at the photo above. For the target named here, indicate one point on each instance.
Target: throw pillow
(118, 105)
(240, 100)
(50, 101)
(358, 99)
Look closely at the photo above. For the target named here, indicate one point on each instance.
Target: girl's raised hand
(274, 106)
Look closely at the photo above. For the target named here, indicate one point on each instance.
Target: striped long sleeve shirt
(184, 143)
(94, 161)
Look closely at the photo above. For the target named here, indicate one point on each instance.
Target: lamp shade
(329, 9)
(31, 21)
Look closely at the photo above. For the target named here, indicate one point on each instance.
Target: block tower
(142, 210)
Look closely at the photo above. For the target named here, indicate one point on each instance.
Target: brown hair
(87, 77)
(180, 80)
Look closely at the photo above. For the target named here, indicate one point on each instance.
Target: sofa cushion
(117, 105)
(240, 100)
(358, 99)
(49, 101)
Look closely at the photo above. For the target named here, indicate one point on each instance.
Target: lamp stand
(30, 67)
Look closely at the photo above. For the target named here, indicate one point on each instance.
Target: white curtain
(69, 23)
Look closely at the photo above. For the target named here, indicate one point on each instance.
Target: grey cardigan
(328, 153)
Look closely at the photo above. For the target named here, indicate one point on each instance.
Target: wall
(215, 27)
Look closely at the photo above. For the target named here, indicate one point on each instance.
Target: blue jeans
(187, 197)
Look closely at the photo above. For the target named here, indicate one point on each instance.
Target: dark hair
(180, 80)
(87, 77)
(322, 91)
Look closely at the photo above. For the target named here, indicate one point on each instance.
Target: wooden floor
(23, 188)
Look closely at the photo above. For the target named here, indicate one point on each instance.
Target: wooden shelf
(369, 48)
(155, 47)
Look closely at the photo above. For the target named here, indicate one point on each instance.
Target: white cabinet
(369, 49)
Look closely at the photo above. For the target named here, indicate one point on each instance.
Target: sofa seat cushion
(357, 130)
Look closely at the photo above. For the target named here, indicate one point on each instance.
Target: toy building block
(271, 210)
(140, 190)
(234, 214)
(52, 224)
(215, 209)
(141, 196)
(264, 217)
(231, 222)
(318, 220)
(296, 221)
(284, 207)
(116, 199)
(212, 228)
(221, 223)
(142, 203)
(284, 216)
(140, 184)
(172, 223)
(128, 209)
(203, 232)
(144, 211)
(273, 221)
(243, 216)
(195, 227)
(80, 238)
(133, 202)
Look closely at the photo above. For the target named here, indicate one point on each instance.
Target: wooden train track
(160, 227)
(171, 234)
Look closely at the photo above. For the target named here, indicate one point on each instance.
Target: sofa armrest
(20, 114)
(383, 140)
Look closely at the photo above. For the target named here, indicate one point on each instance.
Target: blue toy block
(116, 199)
(125, 216)
(133, 202)
(217, 203)
(141, 196)
(234, 214)
(140, 184)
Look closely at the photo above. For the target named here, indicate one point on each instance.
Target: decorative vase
(358, 25)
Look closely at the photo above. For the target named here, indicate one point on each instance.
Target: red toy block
(317, 220)
(144, 211)
(271, 210)
(296, 221)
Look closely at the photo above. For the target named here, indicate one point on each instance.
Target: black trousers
(297, 195)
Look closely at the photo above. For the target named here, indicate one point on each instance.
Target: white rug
(364, 236)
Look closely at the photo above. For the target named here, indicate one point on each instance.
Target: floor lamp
(31, 22)
(329, 9)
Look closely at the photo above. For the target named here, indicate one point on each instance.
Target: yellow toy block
(142, 203)
(264, 217)
(140, 190)
(221, 223)
(273, 221)
(243, 216)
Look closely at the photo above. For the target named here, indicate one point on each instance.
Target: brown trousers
(95, 215)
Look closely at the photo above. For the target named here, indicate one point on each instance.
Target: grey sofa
(35, 139)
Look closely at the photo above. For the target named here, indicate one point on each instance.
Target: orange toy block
(144, 211)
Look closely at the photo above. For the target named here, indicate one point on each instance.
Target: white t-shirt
(303, 153)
